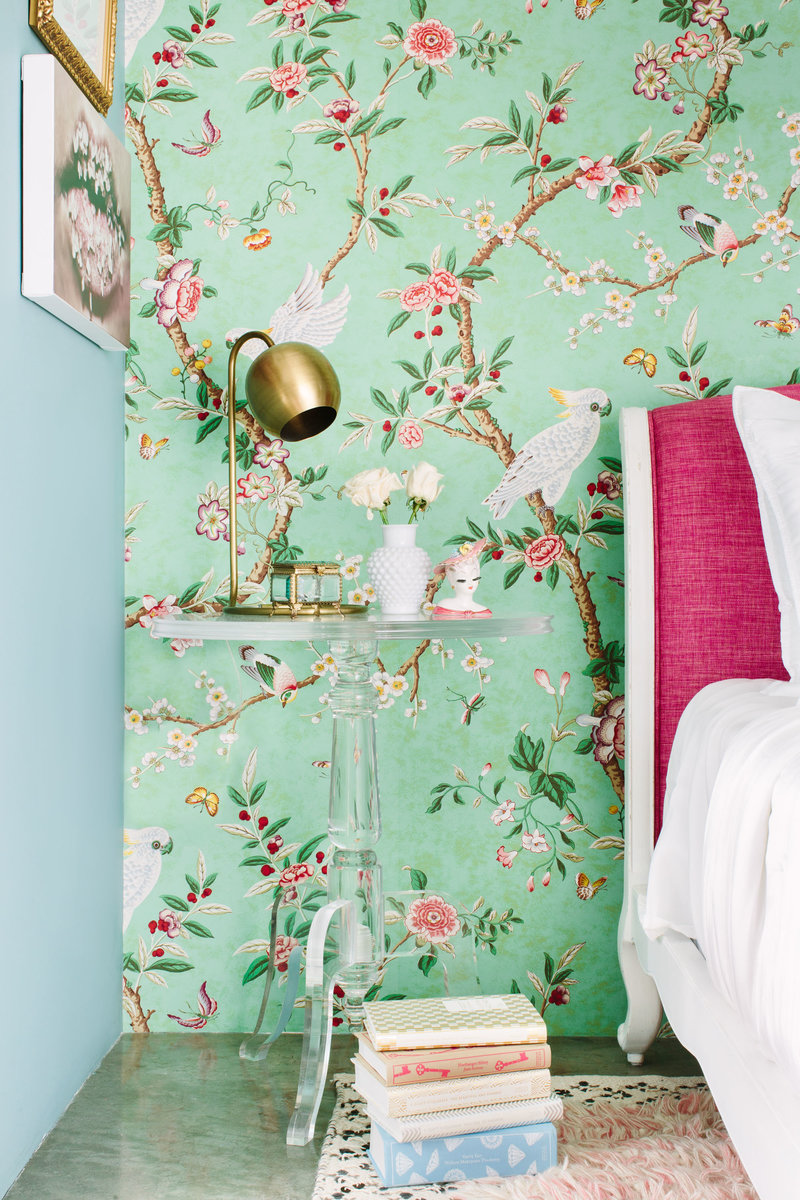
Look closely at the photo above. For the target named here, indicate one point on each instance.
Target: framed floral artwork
(81, 34)
(75, 207)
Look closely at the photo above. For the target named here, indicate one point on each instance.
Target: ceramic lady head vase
(462, 571)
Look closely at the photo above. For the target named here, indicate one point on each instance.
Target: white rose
(422, 484)
(372, 488)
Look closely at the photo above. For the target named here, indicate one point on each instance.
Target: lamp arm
(232, 529)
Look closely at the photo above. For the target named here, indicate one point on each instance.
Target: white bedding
(725, 868)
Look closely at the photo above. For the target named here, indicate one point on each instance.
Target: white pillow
(769, 426)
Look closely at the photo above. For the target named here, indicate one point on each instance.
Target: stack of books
(456, 1088)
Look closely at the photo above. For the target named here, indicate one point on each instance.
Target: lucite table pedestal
(346, 942)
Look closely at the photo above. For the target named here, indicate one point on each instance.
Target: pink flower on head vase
(462, 571)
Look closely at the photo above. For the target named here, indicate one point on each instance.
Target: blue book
(524, 1150)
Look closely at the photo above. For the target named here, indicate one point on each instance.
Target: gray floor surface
(181, 1117)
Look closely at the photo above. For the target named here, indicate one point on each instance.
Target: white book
(441, 1095)
(468, 1120)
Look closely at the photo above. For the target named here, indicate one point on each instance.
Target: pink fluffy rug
(673, 1148)
(621, 1138)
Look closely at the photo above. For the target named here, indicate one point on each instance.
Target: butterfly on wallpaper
(148, 448)
(585, 888)
(210, 136)
(321, 763)
(586, 8)
(786, 323)
(209, 800)
(471, 706)
(641, 358)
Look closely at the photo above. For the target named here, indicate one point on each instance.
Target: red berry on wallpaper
(437, 308)
(263, 822)
(336, 1021)
(157, 57)
(338, 145)
(210, 23)
(419, 334)
(384, 192)
(591, 488)
(283, 966)
(538, 577)
(494, 374)
(684, 377)
(704, 382)
(195, 28)
(384, 212)
(267, 869)
(152, 926)
(244, 815)
(546, 160)
(320, 855)
(162, 82)
(387, 425)
(292, 92)
(325, 869)
(430, 390)
(191, 897)
(497, 554)
(338, 991)
(436, 331)
(205, 892)
(159, 953)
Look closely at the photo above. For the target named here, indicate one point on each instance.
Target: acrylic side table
(353, 916)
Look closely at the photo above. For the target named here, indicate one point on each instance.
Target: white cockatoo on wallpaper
(142, 855)
(303, 318)
(140, 17)
(546, 461)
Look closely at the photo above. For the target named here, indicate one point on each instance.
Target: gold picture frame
(86, 53)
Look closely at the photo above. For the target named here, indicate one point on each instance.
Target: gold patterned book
(453, 1021)
(446, 1094)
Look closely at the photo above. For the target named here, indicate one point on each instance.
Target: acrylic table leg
(354, 824)
(333, 923)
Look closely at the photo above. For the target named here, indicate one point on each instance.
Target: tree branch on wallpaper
(459, 384)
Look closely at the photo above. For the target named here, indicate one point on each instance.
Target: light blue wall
(61, 464)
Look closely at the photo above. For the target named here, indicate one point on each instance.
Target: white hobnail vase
(399, 571)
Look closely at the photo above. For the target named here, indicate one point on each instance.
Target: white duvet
(726, 867)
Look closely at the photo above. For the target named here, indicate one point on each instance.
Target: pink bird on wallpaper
(209, 137)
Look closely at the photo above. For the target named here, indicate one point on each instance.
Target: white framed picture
(76, 178)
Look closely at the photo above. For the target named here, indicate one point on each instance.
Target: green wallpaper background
(467, 139)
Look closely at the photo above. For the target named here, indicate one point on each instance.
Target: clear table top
(358, 627)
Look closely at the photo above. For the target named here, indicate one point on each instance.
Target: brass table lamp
(293, 393)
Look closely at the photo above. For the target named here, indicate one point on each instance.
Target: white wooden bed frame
(760, 1109)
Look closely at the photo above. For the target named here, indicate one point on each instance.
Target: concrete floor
(182, 1117)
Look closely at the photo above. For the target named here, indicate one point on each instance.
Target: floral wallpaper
(489, 217)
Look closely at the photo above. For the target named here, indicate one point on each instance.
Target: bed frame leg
(638, 1031)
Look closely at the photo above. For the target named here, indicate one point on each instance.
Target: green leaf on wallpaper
(388, 227)
(176, 902)
(168, 964)
(148, 310)
(717, 388)
(356, 207)
(366, 123)
(189, 594)
(426, 963)
(257, 968)
(308, 848)
(560, 164)
(180, 35)
(515, 120)
(547, 88)
(611, 464)
(549, 967)
(478, 402)
(562, 870)
(129, 963)
(350, 76)
(255, 860)
(392, 123)
(512, 575)
(668, 164)
(237, 797)
(177, 95)
(552, 575)
(455, 312)
(418, 880)
(626, 153)
(404, 182)
(514, 990)
(201, 59)
(396, 29)
(259, 96)
(435, 806)
(427, 82)
(527, 753)
(202, 394)
(418, 9)
(607, 526)
(197, 16)
(677, 357)
(388, 438)
(380, 400)
(420, 268)
(207, 427)
(698, 353)
(794, 377)
(134, 92)
(209, 292)
(410, 368)
(525, 173)
(399, 320)
(159, 232)
(197, 929)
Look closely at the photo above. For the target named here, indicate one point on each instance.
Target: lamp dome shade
(292, 391)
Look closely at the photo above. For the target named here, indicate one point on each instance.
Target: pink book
(453, 1062)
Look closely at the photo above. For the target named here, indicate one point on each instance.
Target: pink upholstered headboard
(716, 611)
